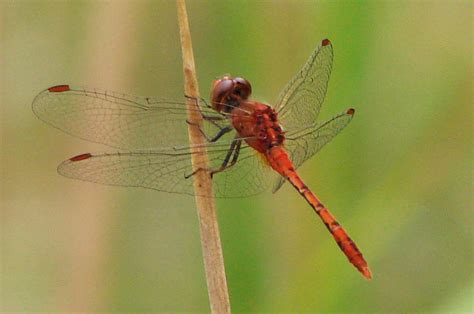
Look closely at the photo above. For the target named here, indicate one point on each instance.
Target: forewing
(170, 170)
(301, 100)
(114, 119)
(303, 144)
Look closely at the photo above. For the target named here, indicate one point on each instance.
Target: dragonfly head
(227, 93)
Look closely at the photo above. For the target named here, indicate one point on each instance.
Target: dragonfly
(251, 145)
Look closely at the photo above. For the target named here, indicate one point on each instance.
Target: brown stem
(210, 238)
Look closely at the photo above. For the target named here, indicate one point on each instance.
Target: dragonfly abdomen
(280, 161)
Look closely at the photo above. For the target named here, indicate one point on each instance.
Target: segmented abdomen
(280, 162)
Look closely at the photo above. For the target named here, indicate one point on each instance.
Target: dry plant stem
(210, 238)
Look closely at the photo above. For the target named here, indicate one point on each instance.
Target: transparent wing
(304, 143)
(117, 120)
(168, 170)
(154, 133)
(300, 101)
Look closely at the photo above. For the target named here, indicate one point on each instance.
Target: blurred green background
(399, 178)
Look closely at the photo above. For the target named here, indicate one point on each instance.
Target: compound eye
(242, 88)
(220, 90)
(223, 87)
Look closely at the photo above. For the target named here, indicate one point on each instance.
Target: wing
(303, 144)
(155, 135)
(169, 170)
(117, 120)
(300, 101)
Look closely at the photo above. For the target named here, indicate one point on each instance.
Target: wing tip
(59, 88)
(81, 157)
(63, 168)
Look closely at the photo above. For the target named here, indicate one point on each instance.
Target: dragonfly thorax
(260, 129)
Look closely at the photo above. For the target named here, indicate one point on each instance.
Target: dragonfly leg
(218, 135)
(209, 118)
(225, 165)
(233, 149)
(198, 100)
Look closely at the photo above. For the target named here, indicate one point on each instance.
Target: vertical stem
(210, 238)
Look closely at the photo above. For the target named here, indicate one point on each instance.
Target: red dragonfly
(248, 142)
